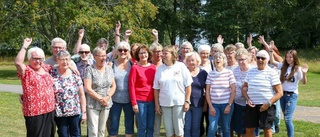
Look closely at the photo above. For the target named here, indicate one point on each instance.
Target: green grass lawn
(12, 121)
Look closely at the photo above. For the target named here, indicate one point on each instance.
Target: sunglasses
(262, 58)
(120, 50)
(86, 52)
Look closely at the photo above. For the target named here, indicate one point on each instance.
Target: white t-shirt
(171, 82)
(220, 85)
(240, 76)
(292, 86)
(260, 84)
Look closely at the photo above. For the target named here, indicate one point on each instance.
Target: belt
(288, 92)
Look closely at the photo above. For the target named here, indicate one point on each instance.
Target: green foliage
(46, 19)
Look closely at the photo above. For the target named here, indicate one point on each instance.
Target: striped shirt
(260, 84)
(220, 85)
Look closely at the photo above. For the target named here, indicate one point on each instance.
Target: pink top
(38, 94)
(141, 83)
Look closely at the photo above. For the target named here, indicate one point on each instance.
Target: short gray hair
(102, 40)
(239, 45)
(196, 56)
(58, 40)
(123, 44)
(63, 53)
(203, 47)
(97, 50)
(217, 46)
(242, 51)
(220, 54)
(39, 52)
(187, 44)
(155, 46)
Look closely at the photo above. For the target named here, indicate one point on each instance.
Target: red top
(141, 83)
(38, 94)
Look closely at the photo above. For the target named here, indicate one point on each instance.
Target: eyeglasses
(58, 48)
(242, 59)
(185, 48)
(120, 50)
(157, 51)
(141, 53)
(64, 59)
(37, 59)
(262, 58)
(86, 52)
(101, 56)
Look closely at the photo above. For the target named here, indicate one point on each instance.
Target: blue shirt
(197, 89)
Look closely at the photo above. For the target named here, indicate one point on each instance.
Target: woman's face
(289, 59)
(253, 53)
(204, 55)
(218, 61)
(35, 61)
(143, 55)
(63, 62)
(242, 60)
(133, 50)
(261, 62)
(166, 56)
(192, 62)
(185, 50)
(157, 54)
(122, 53)
(100, 58)
(214, 51)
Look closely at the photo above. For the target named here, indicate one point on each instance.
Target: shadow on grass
(8, 74)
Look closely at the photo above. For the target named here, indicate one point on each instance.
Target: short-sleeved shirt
(220, 85)
(81, 66)
(171, 82)
(240, 76)
(197, 89)
(101, 84)
(292, 85)
(260, 84)
(66, 92)
(38, 94)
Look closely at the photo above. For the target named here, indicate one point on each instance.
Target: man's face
(56, 48)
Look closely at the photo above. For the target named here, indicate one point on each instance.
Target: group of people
(230, 88)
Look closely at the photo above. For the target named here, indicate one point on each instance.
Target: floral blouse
(101, 84)
(38, 94)
(66, 91)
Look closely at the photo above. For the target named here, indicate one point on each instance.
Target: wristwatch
(188, 102)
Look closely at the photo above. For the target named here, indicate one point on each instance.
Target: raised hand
(220, 39)
(249, 40)
(81, 33)
(155, 32)
(118, 25)
(128, 33)
(27, 42)
(304, 68)
(261, 40)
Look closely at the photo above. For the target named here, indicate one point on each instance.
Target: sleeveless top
(121, 94)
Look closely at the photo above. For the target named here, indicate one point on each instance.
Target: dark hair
(131, 51)
(136, 54)
(285, 66)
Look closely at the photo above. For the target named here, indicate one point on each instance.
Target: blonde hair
(173, 51)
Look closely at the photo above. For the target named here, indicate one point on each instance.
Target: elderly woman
(252, 58)
(70, 98)
(291, 74)
(100, 86)
(217, 47)
(121, 99)
(185, 48)
(220, 93)
(237, 122)
(204, 52)
(230, 52)
(172, 90)
(141, 92)
(38, 95)
(194, 114)
(262, 88)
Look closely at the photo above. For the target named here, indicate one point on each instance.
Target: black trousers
(40, 126)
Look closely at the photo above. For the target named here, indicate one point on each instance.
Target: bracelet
(269, 103)
(84, 112)
(118, 35)
(271, 51)
(23, 47)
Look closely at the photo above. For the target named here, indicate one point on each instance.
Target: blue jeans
(68, 126)
(145, 118)
(288, 104)
(277, 117)
(192, 122)
(225, 120)
(115, 115)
